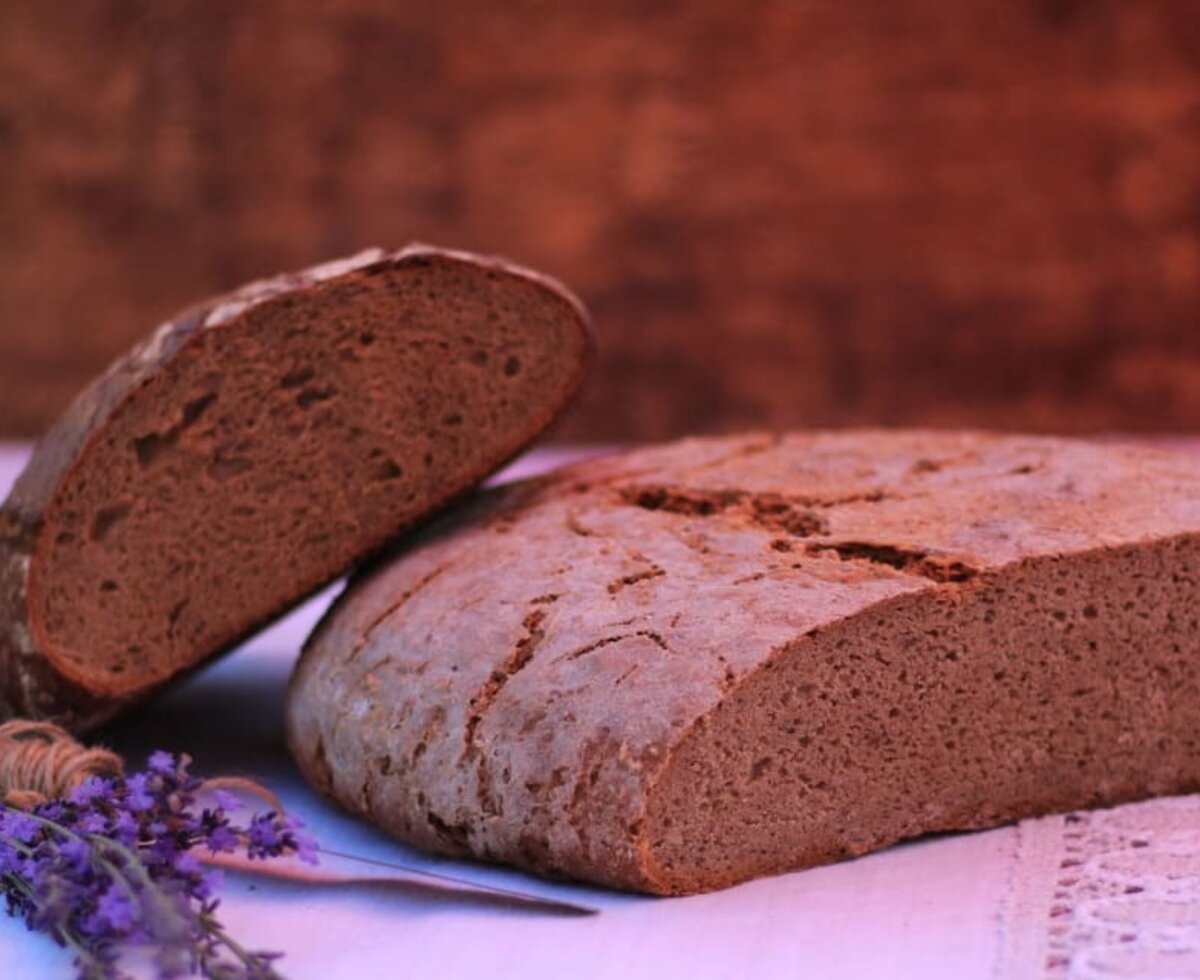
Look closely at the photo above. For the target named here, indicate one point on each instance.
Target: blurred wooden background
(781, 213)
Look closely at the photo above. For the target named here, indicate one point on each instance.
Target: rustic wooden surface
(783, 213)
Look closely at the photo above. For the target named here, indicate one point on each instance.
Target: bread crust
(31, 684)
(521, 683)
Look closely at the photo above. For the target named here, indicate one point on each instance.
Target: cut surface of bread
(253, 450)
(686, 666)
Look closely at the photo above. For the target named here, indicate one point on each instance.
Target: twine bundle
(39, 761)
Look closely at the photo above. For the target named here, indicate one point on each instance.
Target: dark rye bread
(253, 449)
(687, 666)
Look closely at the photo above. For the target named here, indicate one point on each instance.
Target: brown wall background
(781, 213)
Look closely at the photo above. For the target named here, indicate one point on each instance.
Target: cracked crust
(269, 407)
(675, 669)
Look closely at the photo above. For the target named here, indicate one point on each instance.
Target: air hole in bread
(387, 469)
(107, 518)
(314, 395)
(297, 377)
(195, 409)
(151, 446)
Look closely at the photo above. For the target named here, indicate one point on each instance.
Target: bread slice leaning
(253, 449)
(691, 665)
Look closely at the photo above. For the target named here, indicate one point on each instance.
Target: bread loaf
(251, 450)
(677, 669)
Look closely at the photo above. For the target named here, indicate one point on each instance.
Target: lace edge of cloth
(1105, 895)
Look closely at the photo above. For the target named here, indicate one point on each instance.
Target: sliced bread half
(680, 668)
(252, 450)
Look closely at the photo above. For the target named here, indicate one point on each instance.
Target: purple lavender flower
(116, 911)
(17, 827)
(266, 835)
(138, 796)
(227, 801)
(222, 840)
(75, 854)
(271, 834)
(161, 764)
(114, 864)
(89, 791)
(306, 846)
(93, 823)
(124, 828)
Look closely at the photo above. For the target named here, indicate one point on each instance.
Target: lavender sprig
(114, 864)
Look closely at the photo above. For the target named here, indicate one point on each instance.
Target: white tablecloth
(987, 906)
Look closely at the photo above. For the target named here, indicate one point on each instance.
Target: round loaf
(677, 669)
(251, 450)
